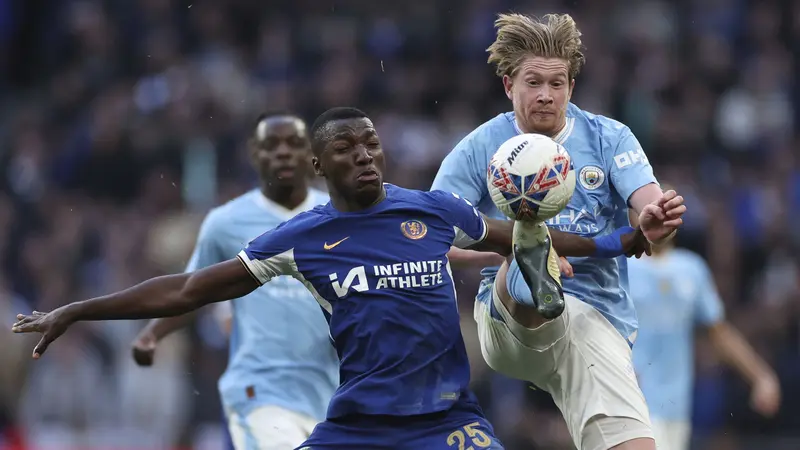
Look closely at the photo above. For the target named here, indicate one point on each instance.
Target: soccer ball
(531, 178)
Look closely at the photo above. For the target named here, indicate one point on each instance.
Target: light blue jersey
(280, 348)
(609, 164)
(673, 293)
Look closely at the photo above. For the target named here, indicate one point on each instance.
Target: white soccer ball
(531, 178)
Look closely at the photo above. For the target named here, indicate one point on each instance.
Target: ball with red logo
(531, 178)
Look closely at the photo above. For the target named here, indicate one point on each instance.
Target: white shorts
(580, 359)
(269, 428)
(672, 435)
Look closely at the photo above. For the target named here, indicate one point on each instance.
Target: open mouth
(367, 176)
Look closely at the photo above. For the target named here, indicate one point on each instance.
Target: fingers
(674, 203)
(40, 348)
(25, 324)
(674, 223)
(666, 197)
(144, 356)
(565, 267)
(654, 211)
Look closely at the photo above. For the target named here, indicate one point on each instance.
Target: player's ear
(317, 167)
(507, 84)
(252, 152)
(571, 88)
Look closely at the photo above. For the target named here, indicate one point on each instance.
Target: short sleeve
(630, 168)
(207, 250)
(708, 306)
(271, 254)
(461, 174)
(468, 224)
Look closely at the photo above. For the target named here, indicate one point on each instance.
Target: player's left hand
(765, 397)
(660, 219)
(51, 325)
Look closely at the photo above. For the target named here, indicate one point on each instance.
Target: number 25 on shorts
(469, 434)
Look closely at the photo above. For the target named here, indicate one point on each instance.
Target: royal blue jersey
(383, 279)
(609, 166)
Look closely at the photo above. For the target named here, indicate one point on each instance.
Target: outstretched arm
(623, 241)
(165, 296)
(766, 392)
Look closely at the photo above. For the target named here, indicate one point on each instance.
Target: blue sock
(517, 287)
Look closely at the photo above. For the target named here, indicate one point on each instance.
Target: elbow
(191, 297)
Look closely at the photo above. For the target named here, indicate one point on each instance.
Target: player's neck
(290, 197)
(526, 129)
(662, 251)
(355, 204)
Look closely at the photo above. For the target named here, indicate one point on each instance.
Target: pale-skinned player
(579, 352)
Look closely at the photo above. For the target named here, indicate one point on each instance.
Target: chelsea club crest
(414, 229)
(591, 177)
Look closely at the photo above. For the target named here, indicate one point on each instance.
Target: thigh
(269, 428)
(595, 387)
(510, 348)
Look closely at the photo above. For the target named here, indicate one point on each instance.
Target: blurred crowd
(123, 121)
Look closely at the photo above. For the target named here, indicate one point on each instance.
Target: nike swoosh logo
(328, 247)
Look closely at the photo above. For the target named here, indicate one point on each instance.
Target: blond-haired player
(577, 349)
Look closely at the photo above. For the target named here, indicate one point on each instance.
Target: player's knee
(637, 444)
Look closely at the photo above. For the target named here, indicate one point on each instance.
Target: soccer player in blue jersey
(674, 292)
(375, 259)
(579, 348)
(282, 369)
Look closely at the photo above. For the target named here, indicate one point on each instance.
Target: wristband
(610, 246)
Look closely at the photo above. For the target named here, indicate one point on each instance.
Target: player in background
(375, 259)
(674, 292)
(282, 369)
(579, 349)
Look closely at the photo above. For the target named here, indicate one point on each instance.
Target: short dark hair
(318, 135)
(269, 115)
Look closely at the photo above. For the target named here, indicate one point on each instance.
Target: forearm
(158, 297)
(163, 327)
(569, 244)
(461, 258)
(498, 237)
(735, 350)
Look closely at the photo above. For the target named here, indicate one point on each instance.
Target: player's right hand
(144, 348)
(765, 397)
(51, 325)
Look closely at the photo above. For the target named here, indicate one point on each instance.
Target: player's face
(281, 150)
(540, 91)
(352, 160)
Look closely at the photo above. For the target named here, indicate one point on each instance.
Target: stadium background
(123, 122)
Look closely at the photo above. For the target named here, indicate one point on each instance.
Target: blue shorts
(446, 430)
